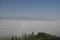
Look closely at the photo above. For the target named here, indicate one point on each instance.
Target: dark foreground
(55, 39)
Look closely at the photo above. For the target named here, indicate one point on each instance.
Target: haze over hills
(18, 27)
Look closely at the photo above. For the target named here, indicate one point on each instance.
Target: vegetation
(38, 36)
(19, 38)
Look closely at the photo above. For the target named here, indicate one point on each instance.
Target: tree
(18, 38)
(42, 36)
(29, 37)
(15, 37)
(24, 37)
(12, 38)
(32, 34)
(49, 36)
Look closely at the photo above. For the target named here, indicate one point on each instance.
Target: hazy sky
(19, 27)
(30, 9)
(31, 15)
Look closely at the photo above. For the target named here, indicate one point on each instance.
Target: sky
(30, 9)
(24, 16)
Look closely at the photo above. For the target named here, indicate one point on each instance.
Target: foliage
(19, 38)
(38, 36)
(12, 38)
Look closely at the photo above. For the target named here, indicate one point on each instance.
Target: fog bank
(19, 27)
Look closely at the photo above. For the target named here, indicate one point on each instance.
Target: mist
(20, 27)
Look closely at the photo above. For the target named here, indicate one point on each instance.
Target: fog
(20, 27)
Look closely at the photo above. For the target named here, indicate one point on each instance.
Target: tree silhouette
(19, 38)
(24, 37)
(49, 36)
(42, 36)
(12, 38)
(32, 34)
(15, 37)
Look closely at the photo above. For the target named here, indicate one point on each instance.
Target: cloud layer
(19, 27)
